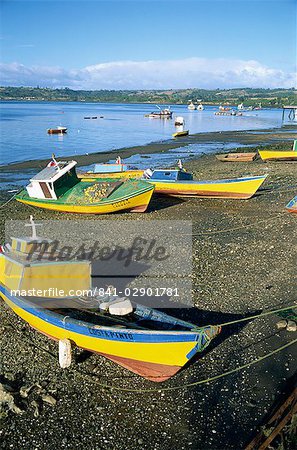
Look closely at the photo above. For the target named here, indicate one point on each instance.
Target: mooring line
(194, 383)
(9, 200)
(240, 227)
(258, 316)
(186, 385)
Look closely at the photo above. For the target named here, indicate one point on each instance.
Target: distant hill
(248, 96)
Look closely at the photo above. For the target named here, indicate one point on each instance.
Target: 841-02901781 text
(137, 292)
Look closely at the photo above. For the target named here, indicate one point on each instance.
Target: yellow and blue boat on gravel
(146, 341)
(117, 170)
(180, 183)
(292, 205)
(58, 188)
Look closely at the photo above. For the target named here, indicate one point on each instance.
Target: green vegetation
(248, 96)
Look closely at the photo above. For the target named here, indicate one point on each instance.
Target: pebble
(281, 324)
(49, 399)
(292, 325)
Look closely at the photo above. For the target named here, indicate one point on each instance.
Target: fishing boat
(292, 205)
(179, 121)
(200, 107)
(178, 182)
(237, 157)
(58, 188)
(180, 133)
(227, 113)
(268, 155)
(109, 170)
(191, 106)
(161, 114)
(224, 108)
(257, 108)
(143, 340)
(58, 130)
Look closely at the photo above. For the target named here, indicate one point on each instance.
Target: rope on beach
(9, 200)
(240, 227)
(194, 383)
(186, 385)
(258, 316)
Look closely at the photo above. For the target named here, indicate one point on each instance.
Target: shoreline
(247, 137)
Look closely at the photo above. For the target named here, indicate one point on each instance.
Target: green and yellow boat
(58, 188)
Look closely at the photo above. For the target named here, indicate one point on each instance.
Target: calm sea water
(24, 127)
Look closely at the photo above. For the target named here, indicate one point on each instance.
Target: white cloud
(182, 73)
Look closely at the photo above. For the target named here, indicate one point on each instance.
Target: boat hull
(155, 355)
(278, 156)
(292, 205)
(138, 203)
(237, 157)
(53, 131)
(180, 133)
(134, 202)
(238, 188)
(128, 174)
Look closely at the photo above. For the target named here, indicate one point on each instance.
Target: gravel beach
(244, 254)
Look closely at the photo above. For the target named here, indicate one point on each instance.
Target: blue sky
(146, 44)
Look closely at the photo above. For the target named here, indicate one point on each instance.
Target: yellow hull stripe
(130, 203)
(241, 187)
(171, 353)
(278, 155)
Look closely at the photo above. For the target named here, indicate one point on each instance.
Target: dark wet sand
(244, 260)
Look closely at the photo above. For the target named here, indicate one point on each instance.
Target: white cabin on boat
(191, 106)
(179, 120)
(53, 181)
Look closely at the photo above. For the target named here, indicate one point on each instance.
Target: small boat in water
(179, 121)
(58, 188)
(161, 114)
(237, 157)
(143, 340)
(109, 170)
(180, 183)
(224, 108)
(58, 130)
(292, 205)
(227, 113)
(191, 106)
